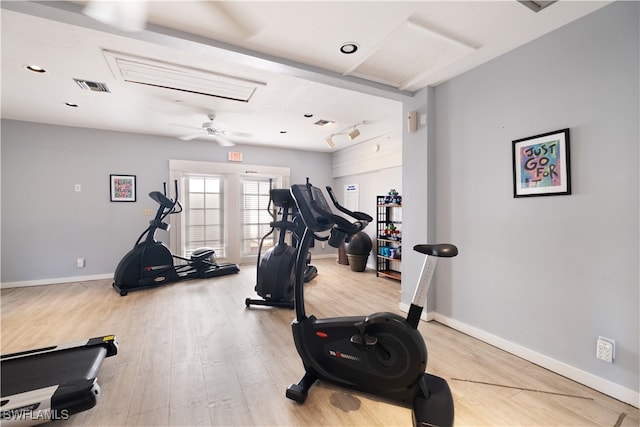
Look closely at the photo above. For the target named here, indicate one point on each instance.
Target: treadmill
(52, 383)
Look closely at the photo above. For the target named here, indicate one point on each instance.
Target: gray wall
(46, 225)
(419, 178)
(370, 185)
(547, 273)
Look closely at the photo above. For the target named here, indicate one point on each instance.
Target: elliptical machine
(275, 274)
(150, 263)
(383, 354)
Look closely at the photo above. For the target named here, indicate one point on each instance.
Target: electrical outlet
(606, 349)
(80, 262)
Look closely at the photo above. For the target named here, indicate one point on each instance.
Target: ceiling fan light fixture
(330, 142)
(353, 134)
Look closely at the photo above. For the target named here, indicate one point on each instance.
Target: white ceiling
(287, 51)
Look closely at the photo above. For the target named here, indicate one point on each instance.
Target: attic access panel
(408, 54)
(133, 69)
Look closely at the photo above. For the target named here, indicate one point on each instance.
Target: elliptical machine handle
(177, 202)
(343, 229)
(360, 216)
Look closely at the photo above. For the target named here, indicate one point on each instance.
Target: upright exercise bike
(275, 273)
(150, 263)
(383, 354)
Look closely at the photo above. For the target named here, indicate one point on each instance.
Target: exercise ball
(360, 244)
(358, 250)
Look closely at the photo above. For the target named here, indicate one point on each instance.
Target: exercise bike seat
(444, 250)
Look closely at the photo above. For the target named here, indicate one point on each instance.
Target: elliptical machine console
(150, 263)
(383, 354)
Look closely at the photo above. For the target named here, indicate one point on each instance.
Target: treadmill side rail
(108, 341)
(50, 403)
(28, 408)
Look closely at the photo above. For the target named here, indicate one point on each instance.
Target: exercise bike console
(383, 353)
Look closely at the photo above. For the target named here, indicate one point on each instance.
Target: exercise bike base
(298, 392)
(435, 406)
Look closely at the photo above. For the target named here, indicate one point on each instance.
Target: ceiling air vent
(536, 5)
(94, 86)
(164, 75)
(323, 122)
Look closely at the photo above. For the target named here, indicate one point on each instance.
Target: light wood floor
(192, 354)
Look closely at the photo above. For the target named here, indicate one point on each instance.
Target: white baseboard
(43, 282)
(597, 383)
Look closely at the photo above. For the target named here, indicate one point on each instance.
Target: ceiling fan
(210, 129)
(134, 15)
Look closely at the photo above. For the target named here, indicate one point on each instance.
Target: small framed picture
(541, 165)
(123, 188)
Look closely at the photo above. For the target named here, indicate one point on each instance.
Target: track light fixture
(351, 135)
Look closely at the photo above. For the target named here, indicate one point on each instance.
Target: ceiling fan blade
(190, 137)
(127, 16)
(238, 134)
(241, 26)
(223, 142)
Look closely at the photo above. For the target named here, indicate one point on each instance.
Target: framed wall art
(541, 165)
(123, 188)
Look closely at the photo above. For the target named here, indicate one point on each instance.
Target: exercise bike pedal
(366, 340)
(362, 338)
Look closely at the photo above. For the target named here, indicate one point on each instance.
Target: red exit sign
(234, 156)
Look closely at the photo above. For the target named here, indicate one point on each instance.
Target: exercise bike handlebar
(360, 216)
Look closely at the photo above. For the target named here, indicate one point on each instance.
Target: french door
(225, 208)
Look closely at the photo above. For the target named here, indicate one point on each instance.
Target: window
(204, 211)
(256, 217)
(225, 208)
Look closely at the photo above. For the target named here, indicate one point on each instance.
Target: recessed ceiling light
(35, 69)
(71, 104)
(349, 48)
(283, 131)
(308, 115)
